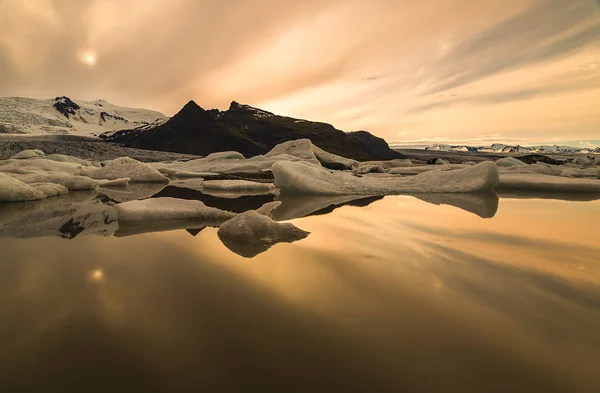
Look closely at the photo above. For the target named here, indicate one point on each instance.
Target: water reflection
(397, 295)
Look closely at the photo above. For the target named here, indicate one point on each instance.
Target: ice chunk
(363, 169)
(50, 189)
(41, 164)
(415, 170)
(539, 168)
(237, 186)
(576, 172)
(267, 208)
(170, 209)
(304, 149)
(26, 154)
(441, 161)
(132, 192)
(13, 190)
(395, 163)
(223, 155)
(583, 161)
(509, 162)
(114, 183)
(125, 167)
(533, 182)
(300, 178)
(252, 233)
(71, 159)
(72, 182)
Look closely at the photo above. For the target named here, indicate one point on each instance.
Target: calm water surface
(400, 295)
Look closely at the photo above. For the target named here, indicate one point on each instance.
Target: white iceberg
(306, 150)
(26, 154)
(510, 162)
(251, 233)
(41, 164)
(237, 186)
(441, 161)
(302, 178)
(415, 170)
(125, 167)
(50, 189)
(535, 182)
(363, 169)
(13, 190)
(72, 182)
(583, 161)
(170, 209)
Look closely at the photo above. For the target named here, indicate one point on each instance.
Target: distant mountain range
(502, 148)
(61, 115)
(248, 130)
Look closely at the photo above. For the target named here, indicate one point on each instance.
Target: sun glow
(89, 58)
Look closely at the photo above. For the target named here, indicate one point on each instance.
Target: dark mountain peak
(65, 105)
(191, 106)
(243, 109)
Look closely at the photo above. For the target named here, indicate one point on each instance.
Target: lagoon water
(394, 294)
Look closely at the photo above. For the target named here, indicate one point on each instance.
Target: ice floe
(170, 209)
(251, 233)
(123, 167)
(13, 190)
(237, 186)
(302, 178)
(536, 182)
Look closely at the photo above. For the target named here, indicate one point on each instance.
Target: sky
(410, 71)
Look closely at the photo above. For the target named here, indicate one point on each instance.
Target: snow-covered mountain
(502, 148)
(61, 115)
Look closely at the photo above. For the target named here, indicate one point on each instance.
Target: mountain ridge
(248, 130)
(504, 148)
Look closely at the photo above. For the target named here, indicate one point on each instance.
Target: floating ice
(415, 170)
(50, 189)
(26, 154)
(363, 169)
(302, 178)
(237, 186)
(170, 209)
(13, 190)
(252, 233)
(509, 162)
(534, 182)
(441, 161)
(125, 167)
(72, 182)
(305, 150)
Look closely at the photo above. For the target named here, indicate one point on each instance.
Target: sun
(89, 58)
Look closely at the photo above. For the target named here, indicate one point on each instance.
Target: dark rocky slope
(250, 131)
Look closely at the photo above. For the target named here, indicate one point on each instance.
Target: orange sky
(452, 71)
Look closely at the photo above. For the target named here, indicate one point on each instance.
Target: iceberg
(171, 209)
(251, 233)
(125, 167)
(510, 162)
(415, 170)
(536, 182)
(303, 178)
(72, 182)
(305, 150)
(363, 169)
(50, 189)
(26, 154)
(13, 190)
(237, 186)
